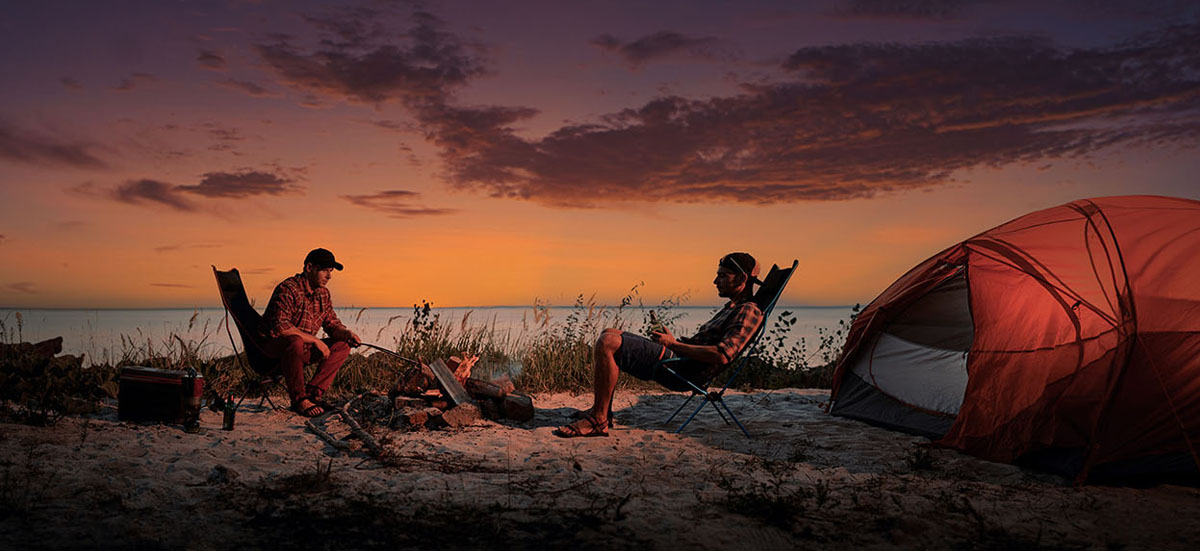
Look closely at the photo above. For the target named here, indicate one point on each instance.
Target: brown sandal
(583, 413)
(588, 426)
(312, 410)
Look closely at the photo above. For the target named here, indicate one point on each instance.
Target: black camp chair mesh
(766, 297)
(263, 373)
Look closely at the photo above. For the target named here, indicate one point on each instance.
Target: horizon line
(353, 307)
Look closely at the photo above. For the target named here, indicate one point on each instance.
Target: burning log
(450, 386)
(462, 367)
(483, 389)
(414, 381)
(418, 403)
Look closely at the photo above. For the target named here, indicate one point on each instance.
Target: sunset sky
(487, 153)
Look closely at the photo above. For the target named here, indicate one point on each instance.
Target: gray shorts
(642, 358)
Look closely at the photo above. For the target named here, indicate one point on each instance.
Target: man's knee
(609, 341)
(294, 346)
(339, 348)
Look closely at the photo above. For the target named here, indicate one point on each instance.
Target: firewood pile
(436, 396)
(443, 394)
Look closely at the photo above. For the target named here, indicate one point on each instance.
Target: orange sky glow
(473, 155)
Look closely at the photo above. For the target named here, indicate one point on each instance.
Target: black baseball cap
(322, 258)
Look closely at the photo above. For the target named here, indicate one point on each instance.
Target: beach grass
(546, 354)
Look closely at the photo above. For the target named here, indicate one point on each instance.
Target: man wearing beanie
(714, 345)
(299, 307)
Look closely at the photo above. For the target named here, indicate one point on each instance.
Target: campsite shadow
(791, 425)
(546, 417)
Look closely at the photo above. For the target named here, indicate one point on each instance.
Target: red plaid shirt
(729, 330)
(296, 304)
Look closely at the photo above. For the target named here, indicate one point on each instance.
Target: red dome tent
(1068, 338)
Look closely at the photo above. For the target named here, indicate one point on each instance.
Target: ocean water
(103, 334)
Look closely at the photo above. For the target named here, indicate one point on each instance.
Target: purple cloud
(213, 185)
(358, 62)
(132, 81)
(851, 121)
(396, 203)
(658, 45)
(24, 147)
(240, 184)
(210, 59)
(140, 192)
(248, 88)
(908, 9)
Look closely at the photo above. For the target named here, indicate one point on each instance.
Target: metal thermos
(193, 387)
(230, 411)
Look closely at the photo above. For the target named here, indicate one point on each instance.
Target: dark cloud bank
(25, 147)
(849, 121)
(658, 45)
(229, 185)
(396, 203)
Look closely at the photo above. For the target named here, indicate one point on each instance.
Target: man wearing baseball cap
(299, 307)
(714, 345)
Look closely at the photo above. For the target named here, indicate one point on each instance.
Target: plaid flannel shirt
(729, 330)
(296, 304)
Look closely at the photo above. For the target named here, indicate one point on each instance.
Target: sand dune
(806, 478)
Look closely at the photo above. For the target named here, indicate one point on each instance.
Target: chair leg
(713, 399)
(734, 417)
(681, 406)
(718, 403)
(267, 398)
(693, 416)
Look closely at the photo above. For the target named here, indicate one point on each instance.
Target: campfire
(432, 396)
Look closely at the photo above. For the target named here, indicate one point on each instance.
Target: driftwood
(43, 350)
(355, 428)
(312, 425)
(448, 384)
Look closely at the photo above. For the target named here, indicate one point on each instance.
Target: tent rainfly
(1067, 339)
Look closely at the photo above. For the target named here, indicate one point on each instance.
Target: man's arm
(709, 354)
(278, 316)
(336, 329)
(740, 328)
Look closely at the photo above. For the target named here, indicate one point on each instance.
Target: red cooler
(162, 395)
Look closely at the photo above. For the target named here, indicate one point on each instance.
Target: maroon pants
(293, 354)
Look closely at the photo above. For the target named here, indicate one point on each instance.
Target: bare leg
(605, 377)
(606, 373)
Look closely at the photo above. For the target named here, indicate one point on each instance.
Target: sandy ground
(805, 479)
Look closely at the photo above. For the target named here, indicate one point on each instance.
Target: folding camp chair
(766, 297)
(263, 372)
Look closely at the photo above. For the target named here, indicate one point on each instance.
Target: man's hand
(322, 348)
(663, 337)
(350, 337)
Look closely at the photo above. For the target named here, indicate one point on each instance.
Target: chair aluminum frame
(262, 372)
(717, 398)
